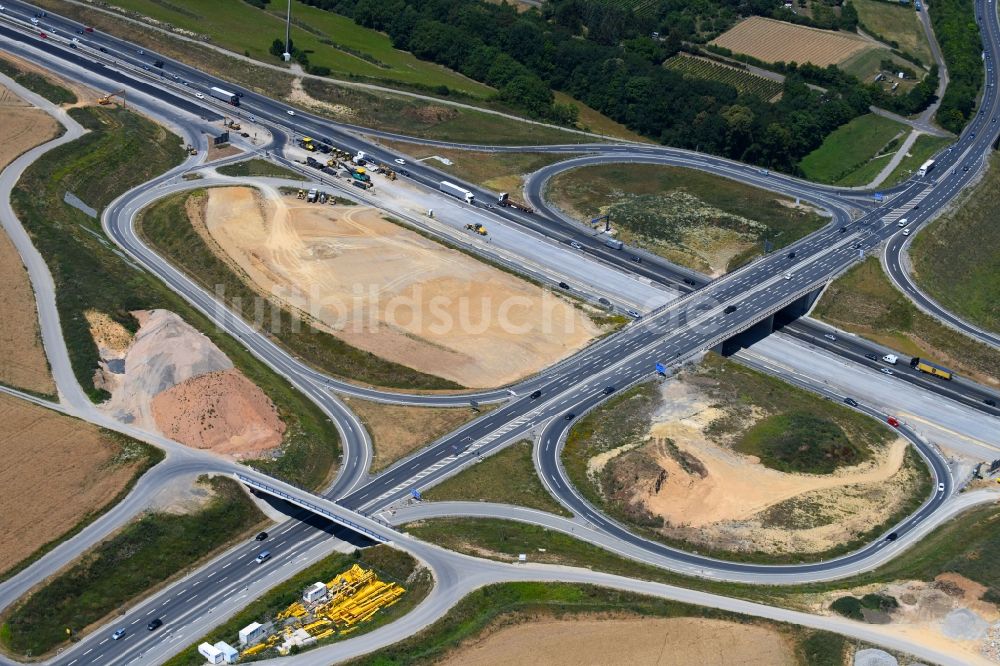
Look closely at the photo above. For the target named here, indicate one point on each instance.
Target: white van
(903, 222)
(890, 359)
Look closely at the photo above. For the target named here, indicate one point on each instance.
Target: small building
(314, 593)
(211, 653)
(229, 653)
(252, 634)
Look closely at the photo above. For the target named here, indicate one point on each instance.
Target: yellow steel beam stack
(295, 610)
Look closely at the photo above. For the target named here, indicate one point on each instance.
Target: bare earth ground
(677, 641)
(84, 94)
(397, 430)
(35, 445)
(389, 291)
(708, 493)
(772, 41)
(172, 379)
(23, 362)
(946, 613)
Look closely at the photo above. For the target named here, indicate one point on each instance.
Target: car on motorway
(843, 229)
(851, 401)
(730, 309)
(892, 536)
(885, 371)
(871, 357)
(290, 112)
(264, 556)
(575, 245)
(830, 337)
(536, 395)
(906, 232)
(633, 314)
(118, 634)
(199, 95)
(569, 416)
(260, 536)
(34, 21)
(791, 255)
(154, 624)
(141, 52)
(990, 401)
(893, 421)
(603, 301)
(608, 390)
(636, 259)
(102, 49)
(788, 276)
(399, 160)
(902, 222)
(563, 285)
(940, 487)
(690, 282)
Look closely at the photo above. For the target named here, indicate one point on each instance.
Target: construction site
(336, 608)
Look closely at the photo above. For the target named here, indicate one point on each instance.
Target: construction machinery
(231, 124)
(301, 194)
(386, 171)
(191, 150)
(307, 143)
(505, 200)
(478, 228)
(107, 99)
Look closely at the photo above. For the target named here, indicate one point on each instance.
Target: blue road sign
(416, 494)
(660, 368)
(879, 196)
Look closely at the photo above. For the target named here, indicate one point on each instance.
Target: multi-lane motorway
(670, 334)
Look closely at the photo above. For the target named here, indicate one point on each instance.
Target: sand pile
(174, 380)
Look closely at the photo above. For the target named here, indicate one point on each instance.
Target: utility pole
(287, 55)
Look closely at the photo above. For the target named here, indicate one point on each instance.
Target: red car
(88, 29)
(42, 35)
(893, 421)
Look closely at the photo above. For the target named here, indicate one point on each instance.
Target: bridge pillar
(786, 315)
(797, 308)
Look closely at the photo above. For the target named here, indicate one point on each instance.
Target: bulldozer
(478, 228)
(231, 124)
(191, 150)
(301, 194)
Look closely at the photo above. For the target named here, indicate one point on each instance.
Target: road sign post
(661, 369)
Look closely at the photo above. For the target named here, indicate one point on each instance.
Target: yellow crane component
(250, 651)
(107, 99)
(295, 610)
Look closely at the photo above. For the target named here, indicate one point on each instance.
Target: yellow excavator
(478, 228)
(107, 99)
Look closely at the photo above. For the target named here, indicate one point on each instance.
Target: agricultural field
(850, 148)
(865, 65)
(956, 259)
(63, 497)
(777, 41)
(744, 82)
(331, 40)
(891, 22)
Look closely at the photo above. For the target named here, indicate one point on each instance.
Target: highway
(671, 334)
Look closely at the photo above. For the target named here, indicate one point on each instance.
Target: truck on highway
(925, 168)
(613, 243)
(225, 96)
(924, 365)
(456, 191)
(505, 200)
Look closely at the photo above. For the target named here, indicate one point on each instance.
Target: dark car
(535, 395)
(851, 401)
(154, 624)
(636, 258)
(608, 390)
(990, 401)
(563, 285)
(261, 536)
(730, 309)
(892, 536)
(791, 255)
(569, 416)
(102, 49)
(843, 229)
(689, 281)
(603, 301)
(872, 357)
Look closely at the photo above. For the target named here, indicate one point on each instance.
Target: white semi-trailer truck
(456, 191)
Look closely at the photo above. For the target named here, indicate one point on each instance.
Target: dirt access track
(56, 471)
(681, 641)
(390, 291)
(23, 362)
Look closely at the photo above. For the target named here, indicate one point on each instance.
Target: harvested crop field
(44, 497)
(776, 41)
(389, 291)
(23, 362)
(677, 640)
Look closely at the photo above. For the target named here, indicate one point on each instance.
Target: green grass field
(677, 212)
(863, 301)
(36, 83)
(121, 151)
(166, 227)
(957, 258)
(257, 167)
(897, 23)
(331, 40)
(849, 148)
(922, 149)
(801, 441)
(391, 566)
(143, 555)
(507, 477)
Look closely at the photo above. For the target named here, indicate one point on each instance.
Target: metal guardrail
(315, 508)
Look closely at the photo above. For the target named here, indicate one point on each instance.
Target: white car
(940, 487)
(118, 634)
(576, 245)
(199, 95)
(34, 21)
(290, 112)
(399, 161)
(788, 276)
(828, 336)
(885, 371)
